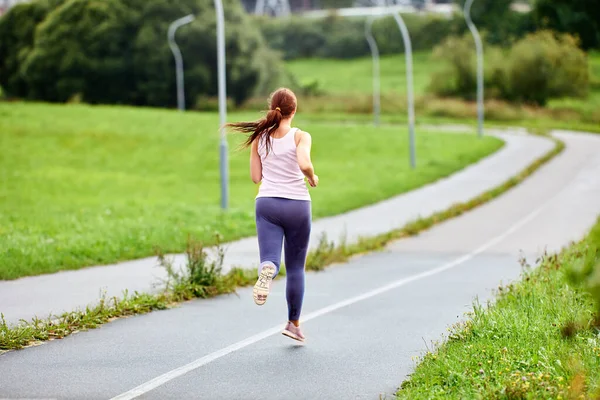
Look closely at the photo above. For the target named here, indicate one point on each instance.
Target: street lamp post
(479, 47)
(178, 59)
(223, 162)
(376, 73)
(409, 86)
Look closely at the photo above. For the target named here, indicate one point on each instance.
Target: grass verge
(540, 339)
(83, 185)
(202, 278)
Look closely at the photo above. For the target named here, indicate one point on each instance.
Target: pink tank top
(281, 175)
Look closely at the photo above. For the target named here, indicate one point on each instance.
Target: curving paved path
(68, 290)
(363, 320)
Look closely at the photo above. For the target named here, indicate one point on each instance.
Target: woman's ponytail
(282, 105)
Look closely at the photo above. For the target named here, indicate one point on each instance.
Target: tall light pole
(178, 59)
(409, 86)
(479, 47)
(223, 163)
(376, 73)
(280, 8)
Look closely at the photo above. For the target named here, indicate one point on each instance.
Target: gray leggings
(276, 219)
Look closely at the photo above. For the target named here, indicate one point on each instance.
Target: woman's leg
(270, 239)
(297, 226)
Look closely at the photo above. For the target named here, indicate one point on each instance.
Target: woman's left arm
(255, 163)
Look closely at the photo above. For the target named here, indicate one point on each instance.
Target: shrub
(540, 66)
(545, 65)
(79, 49)
(337, 37)
(459, 78)
(295, 38)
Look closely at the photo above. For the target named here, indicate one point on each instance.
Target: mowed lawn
(85, 185)
(355, 76)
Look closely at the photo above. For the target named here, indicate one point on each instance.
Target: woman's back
(281, 175)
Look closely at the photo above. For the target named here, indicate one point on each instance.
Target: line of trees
(339, 37)
(116, 52)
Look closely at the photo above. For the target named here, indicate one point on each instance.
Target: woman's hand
(313, 181)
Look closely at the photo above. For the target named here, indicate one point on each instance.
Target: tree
(155, 67)
(501, 24)
(81, 48)
(17, 29)
(111, 51)
(579, 17)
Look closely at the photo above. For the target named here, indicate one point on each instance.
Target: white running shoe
(263, 284)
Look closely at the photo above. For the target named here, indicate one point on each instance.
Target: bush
(117, 52)
(79, 49)
(544, 65)
(337, 37)
(459, 78)
(294, 37)
(539, 67)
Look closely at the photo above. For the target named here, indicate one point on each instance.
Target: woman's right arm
(304, 161)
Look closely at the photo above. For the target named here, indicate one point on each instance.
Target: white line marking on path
(169, 376)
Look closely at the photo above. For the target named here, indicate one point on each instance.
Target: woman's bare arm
(255, 163)
(304, 161)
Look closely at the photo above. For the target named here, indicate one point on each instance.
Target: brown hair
(282, 104)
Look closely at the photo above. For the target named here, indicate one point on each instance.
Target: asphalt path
(364, 320)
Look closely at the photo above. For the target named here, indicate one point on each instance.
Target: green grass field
(536, 342)
(87, 185)
(355, 76)
(347, 88)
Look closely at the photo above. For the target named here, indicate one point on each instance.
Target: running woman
(279, 161)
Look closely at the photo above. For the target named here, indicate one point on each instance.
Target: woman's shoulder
(299, 134)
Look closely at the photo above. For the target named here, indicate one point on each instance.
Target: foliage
(338, 37)
(501, 25)
(544, 65)
(541, 66)
(78, 50)
(117, 52)
(584, 267)
(17, 30)
(578, 17)
(460, 78)
(536, 341)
